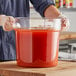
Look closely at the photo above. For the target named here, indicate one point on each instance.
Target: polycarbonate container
(37, 41)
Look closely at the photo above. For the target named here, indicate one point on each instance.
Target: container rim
(37, 18)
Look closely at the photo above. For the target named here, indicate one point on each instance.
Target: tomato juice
(37, 48)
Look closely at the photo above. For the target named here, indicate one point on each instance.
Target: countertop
(67, 35)
(63, 68)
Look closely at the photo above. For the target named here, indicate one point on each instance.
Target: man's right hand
(7, 22)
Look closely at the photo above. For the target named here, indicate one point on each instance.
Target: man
(19, 8)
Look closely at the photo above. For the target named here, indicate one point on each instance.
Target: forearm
(2, 19)
(51, 12)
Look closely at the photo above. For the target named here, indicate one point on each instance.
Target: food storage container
(37, 41)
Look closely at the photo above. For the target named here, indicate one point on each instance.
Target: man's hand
(7, 22)
(52, 13)
(65, 23)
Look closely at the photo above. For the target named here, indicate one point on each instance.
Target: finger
(11, 19)
(7, 27)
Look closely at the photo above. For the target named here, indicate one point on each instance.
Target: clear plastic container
(37, 41)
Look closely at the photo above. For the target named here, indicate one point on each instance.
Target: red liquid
(37, 48)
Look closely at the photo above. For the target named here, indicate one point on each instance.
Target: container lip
(34, 28)
(36, 18)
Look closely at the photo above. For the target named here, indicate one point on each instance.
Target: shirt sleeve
(41, 5)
